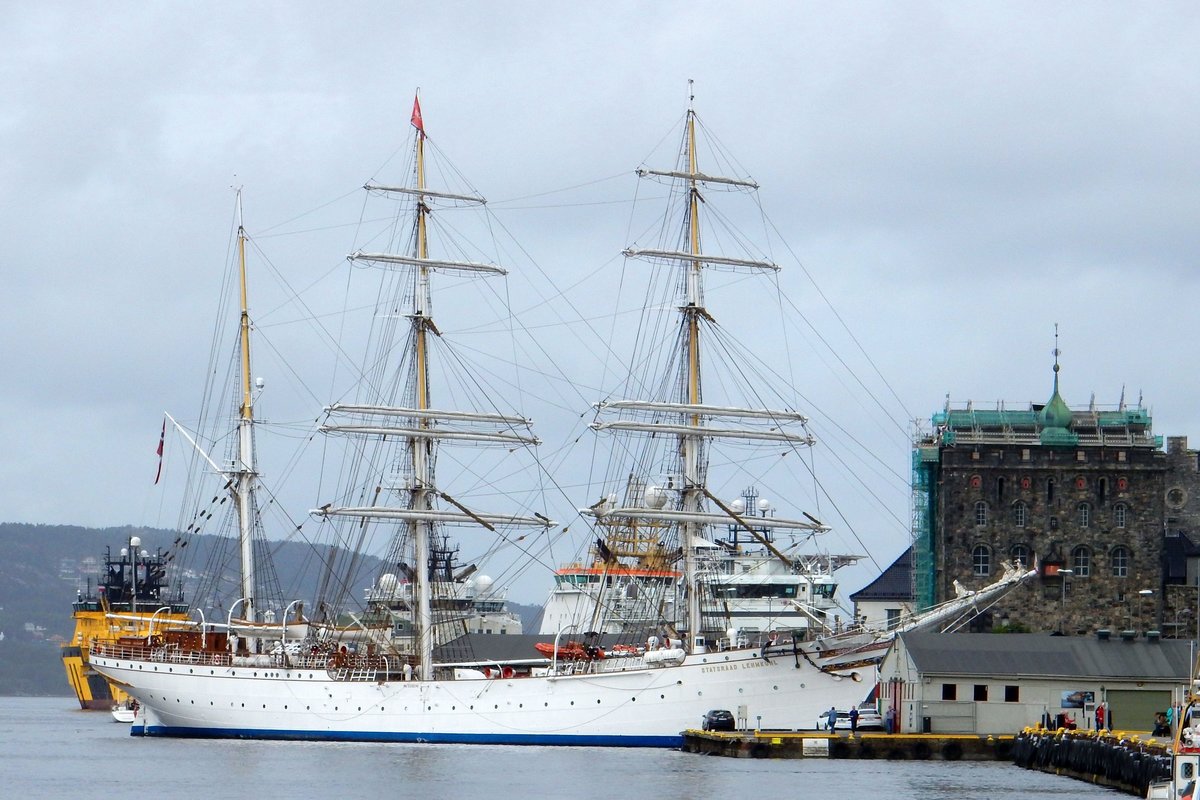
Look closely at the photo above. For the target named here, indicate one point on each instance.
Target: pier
(1119, 760)
(811, 744)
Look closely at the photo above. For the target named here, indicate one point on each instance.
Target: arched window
(1081, 561)
(981, 561)
(1119, 512)
(1101, 490)
(981, 513)
(1083, 513)
(1049, 491)
(1021, 556)
(1020, 514)
(1120, 562)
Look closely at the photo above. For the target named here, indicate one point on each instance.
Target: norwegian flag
(417, 122)
(161, 437)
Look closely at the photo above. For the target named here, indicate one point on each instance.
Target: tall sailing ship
(409, 683)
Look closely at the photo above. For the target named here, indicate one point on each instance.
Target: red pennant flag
(417, 122)
(162, 436)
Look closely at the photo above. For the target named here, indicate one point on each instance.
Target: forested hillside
(42, 567)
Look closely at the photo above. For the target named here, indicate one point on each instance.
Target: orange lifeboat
(571, 651)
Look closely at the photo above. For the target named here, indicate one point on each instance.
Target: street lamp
(1065, 573)
(1144, 593)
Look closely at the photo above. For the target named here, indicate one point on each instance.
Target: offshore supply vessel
(130, 598)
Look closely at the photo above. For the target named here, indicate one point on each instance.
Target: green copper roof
(1056, 416)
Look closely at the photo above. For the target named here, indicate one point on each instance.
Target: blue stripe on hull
(403, 737)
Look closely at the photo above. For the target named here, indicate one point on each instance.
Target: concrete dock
(810, 744)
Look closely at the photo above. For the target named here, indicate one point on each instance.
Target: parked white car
(868, 720)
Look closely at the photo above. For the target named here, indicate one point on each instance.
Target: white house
(1001, 683)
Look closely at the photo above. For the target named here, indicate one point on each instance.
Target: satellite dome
(738, 506)
(655, 497)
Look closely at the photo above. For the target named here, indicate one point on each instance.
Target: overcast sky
(955, 177)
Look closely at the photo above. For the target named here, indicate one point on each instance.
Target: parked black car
(718, 720)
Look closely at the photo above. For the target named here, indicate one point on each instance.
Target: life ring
(216, 660)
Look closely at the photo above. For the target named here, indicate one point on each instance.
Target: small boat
(571, 651)
(1185, 754)
(125, 712)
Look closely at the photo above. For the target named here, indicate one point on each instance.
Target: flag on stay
(161, 437)
(417, 122)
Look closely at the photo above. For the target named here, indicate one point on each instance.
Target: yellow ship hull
(93, 691)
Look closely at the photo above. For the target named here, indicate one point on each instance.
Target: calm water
(48, 749)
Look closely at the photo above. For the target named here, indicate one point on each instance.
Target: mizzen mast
(688, 418)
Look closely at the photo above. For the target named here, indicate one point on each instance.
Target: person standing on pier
(853, 720)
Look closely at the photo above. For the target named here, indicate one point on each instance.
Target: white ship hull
(627, 704)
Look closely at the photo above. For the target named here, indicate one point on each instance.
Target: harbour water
(50, 749)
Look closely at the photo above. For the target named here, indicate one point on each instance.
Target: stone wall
(1097, 511)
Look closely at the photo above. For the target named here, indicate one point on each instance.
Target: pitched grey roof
(894, 583)
(1039, 655)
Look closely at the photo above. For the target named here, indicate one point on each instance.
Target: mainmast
(244, 470)
(418, 425)
(690, 443)
(421, 530)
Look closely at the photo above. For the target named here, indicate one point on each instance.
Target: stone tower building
(1088, 498)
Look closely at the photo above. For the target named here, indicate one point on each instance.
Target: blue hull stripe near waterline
(414, 738)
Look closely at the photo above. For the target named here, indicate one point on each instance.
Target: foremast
(245, 471)
(689, 419)
(419, 425)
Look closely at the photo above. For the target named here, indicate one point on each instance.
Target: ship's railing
(339, 665)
